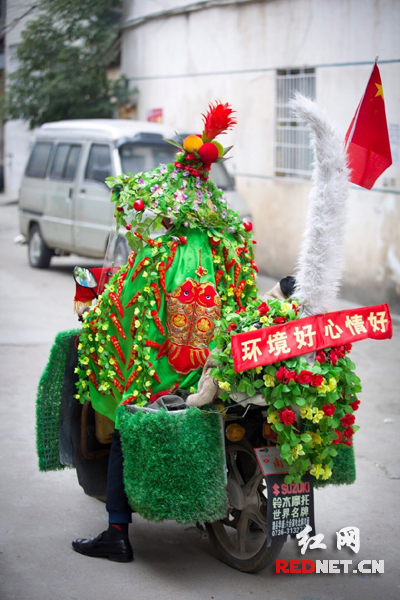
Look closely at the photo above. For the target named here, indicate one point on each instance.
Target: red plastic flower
(280, 374)
(218, 120)
(348, 432)
(304, 377)
(348, 347)
(320, 357)
(287, 416)
(263, 308)
(231, 327)
(317, 380)
(354, 405)
(348, 420)
(333, 357)
(279, 320)
(339, 437)
(284, 376)
(329, 409)
(347, 442)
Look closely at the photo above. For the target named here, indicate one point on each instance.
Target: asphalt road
(42, 512)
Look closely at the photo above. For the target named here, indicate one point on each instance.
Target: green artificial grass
(48, 402)
(174, 464)
(343, 470)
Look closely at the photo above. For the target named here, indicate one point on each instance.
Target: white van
(64, 204)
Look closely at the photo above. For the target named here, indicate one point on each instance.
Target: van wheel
(39, 253)
(121, 252)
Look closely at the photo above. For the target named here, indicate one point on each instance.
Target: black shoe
(119, 551)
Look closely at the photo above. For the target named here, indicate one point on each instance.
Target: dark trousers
(117, 504)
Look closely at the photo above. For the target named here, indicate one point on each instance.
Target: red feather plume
(217, 120)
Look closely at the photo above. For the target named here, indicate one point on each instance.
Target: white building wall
(17, 136)
(231, 52)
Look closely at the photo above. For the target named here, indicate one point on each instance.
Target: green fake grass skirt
(174, 464)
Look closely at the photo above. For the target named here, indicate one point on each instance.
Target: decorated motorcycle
(223, 400)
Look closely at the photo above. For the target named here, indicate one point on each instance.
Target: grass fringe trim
(174, 465)
(48, 400)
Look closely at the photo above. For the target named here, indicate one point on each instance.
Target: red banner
(280, 342)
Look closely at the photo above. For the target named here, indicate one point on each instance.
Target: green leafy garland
(323, 395)
(188, 201)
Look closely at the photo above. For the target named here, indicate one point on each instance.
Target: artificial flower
(348, 420)
(304, 377)
(269, 380)
(354, 405)
(306, 413)
(316, 439)
(218, 120)
(287, 416)
(273, 417)
(317, 415)
(329, 409)
(339, 437)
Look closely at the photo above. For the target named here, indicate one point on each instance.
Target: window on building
(293, 156)
(39, 159)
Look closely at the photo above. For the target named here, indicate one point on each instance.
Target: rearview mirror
(85, 277)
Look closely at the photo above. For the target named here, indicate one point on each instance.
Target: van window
(65, 162)
(39, 159)
(99, 163)
(136, 158)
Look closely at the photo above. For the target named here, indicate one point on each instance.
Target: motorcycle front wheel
(240, 539)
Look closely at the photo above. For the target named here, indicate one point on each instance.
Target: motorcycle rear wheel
(240, 539)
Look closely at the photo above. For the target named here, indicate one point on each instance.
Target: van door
(57, 221)
(93, 210)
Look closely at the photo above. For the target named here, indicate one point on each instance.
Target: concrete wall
(183, 59)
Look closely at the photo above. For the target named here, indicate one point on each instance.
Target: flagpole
(359, 106)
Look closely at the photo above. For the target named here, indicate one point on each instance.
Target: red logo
(275, 489)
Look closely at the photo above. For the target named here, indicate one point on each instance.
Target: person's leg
(114, 543)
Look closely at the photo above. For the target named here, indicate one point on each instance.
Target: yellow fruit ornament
(191, 143)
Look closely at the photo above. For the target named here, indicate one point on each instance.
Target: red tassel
(93, 379)
(132, 358)
(133, 300)
(171, 256)
(118, 385)
(131, 259)
(117, 325)
(118, 348)
(218, 276)
(152, 344)
(121, 280)
(161, 271)
(140, 268)
(115, 300)
(118, 371)
(131, 379)
(157, 294)
(157, 321)
(155, 376)
(237, 273)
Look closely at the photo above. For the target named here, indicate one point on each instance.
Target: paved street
(42, 512)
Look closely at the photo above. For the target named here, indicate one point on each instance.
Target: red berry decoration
(138, 205)
(208, 153)
(112, 191)
(128, 227)
(183, 240)
(248, 225)
(214, 241)
(119, 208)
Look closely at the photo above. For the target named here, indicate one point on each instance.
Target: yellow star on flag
(380, 91)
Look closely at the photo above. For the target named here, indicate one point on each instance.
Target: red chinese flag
(367, 139)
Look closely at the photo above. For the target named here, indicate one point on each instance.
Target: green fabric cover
(187, 260)
(343, 470)
(48, 400)
(174, 464)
